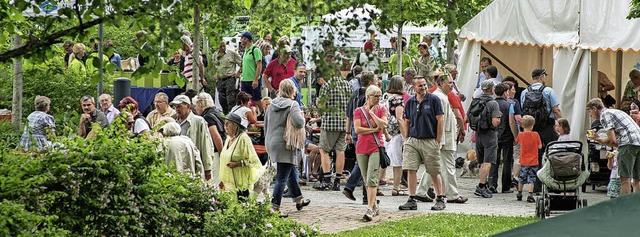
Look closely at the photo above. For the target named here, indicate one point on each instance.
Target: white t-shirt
(241, 111)
(139, 126)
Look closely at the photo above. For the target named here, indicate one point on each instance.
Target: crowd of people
(415, 119)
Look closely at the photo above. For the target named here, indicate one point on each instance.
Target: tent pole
(618, 82)
(505, 65)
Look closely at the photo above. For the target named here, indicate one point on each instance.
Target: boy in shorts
(530, 143)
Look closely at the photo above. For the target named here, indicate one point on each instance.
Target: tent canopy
(588, 24)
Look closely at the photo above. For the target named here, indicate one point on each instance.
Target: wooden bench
(260, 149)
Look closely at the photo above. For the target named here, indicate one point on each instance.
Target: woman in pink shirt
(369, 121)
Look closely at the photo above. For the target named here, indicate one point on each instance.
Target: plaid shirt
(626, 130)
(334, 96)
(40, 123)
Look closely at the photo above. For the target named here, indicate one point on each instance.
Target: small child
(613, 189)
(529, 145)
(563, 129)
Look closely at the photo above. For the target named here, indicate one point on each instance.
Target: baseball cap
(180, 99)
(247, 35)
(487, 85)
(538, 72)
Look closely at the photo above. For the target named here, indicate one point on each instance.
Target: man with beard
(90, 115)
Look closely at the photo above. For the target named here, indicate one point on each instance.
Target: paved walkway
(331, 212)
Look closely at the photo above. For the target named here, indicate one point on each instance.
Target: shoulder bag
(384, 157)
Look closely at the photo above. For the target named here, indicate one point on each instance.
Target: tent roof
(589, 24)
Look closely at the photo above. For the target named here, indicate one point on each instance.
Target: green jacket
(198, 131)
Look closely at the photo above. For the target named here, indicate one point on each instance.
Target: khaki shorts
(629, 162)
(330, 140)
(417, 151)
(369, 167)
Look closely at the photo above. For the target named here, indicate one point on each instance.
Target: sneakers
(483, 192)
(423, 198)
(349, 194)
(323, 186)
(439, 206)
(304, 203)
(493, 190)
(410, 205)
(336, 185)
(376, 210)
(530, 199)
(519, 196)
(431, 193)
(368, 216)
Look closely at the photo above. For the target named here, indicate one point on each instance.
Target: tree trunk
(16, 106)
(196, 46)
(399, 48)
(451, 30)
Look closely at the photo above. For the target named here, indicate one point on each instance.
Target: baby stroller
(562, 175)
(599, 173)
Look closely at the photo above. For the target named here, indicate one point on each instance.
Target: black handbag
(384, 158)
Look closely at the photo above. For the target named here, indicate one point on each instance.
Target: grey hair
(410, 71)
(42, 102)
(164, 96)
(171, 129)
(88, 97)
(205, 100)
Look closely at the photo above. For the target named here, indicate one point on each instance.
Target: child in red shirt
(529, 145)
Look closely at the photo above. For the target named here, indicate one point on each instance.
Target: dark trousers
(354, 178)
(227, 92)
(547, 135)
(505, 150)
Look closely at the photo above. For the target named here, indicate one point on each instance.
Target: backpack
(360, 99)
(479, 116)
(535, 105)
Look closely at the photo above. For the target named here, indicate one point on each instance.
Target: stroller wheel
(540, 208)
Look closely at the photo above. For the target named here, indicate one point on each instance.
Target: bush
(9, 139)
(112, 185)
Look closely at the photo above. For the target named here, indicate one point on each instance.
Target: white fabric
(394, 150)
(527, 22)
(572, 87)
(241, 111)
(140, 126)
(604, 25)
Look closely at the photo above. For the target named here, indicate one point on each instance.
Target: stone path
(331, 212)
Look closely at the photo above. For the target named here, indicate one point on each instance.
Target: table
(145, 95)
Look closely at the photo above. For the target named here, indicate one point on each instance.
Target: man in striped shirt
(187, 47)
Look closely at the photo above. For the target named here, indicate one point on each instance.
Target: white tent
(571, 39)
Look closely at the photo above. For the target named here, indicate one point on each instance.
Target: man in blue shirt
(425, 117)
(544, 128)
(484, 63)
(298, 77)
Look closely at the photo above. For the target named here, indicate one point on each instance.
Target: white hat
(181, 99)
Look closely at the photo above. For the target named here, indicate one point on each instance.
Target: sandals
(396, 192)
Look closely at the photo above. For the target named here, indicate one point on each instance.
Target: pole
(399, 47)
(16, 105)
(101, 67)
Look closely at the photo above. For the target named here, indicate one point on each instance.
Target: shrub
(112, 185)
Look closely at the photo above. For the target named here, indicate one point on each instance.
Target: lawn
(445, 224)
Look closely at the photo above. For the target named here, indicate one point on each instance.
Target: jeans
(285, 175)
(354, 178)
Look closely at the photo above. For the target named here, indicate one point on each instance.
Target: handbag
(294, 138)
(384, 157)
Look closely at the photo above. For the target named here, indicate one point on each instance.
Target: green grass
(445, 224)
